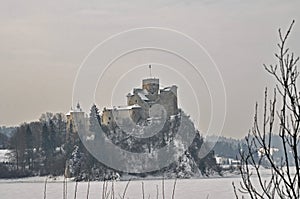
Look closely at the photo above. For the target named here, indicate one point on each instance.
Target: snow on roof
(121, 108)
(142, 94)
(143, 97)
(166, 89)
(169, 88)
(136, 106)
(77, 109)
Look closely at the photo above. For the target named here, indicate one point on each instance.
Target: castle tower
(74, 117)
(151, 85)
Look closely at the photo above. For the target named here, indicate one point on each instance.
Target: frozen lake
(185, 188)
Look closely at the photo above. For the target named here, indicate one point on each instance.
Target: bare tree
(280, 118)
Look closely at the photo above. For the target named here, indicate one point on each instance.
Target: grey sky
(42, 44)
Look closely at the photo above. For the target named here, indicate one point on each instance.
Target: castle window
(109, 118)
(107, 122)
(135, 101)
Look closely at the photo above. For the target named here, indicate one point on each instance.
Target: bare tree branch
(284, 180)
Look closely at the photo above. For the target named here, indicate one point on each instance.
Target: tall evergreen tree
(46, 145)
(29, 146)
(94, 118)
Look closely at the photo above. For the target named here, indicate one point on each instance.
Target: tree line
(44, 147)
(37, 148)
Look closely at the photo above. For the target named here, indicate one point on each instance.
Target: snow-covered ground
(4, 155)
(185, 188)
(213, 187)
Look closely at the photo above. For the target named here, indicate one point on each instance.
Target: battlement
(150, 81)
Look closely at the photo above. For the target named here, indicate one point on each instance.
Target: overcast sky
(43, 43)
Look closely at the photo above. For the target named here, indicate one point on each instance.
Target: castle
(140, 102)
(138, 108)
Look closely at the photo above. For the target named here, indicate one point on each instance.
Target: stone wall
(107, 118)
(136, 99)
(168, 99)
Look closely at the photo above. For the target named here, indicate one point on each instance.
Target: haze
(43, 43)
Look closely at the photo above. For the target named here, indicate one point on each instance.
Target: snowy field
(185, 188)
(212, 188)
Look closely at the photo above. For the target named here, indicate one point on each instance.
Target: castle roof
(122, 108)
(142, 94)
(76, 110)
(151, 81)
(166, 88)
(169, 88)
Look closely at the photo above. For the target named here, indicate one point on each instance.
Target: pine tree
(29, 146)
(94, 119)
(52, 136)
(46, 145)
(75, 162)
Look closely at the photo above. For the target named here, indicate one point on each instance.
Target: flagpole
(150, 70)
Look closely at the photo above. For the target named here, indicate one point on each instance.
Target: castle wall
(136, 115)
(168, 99)
(74, 119)
(145, 98)
(136, 99)
(107, 118)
